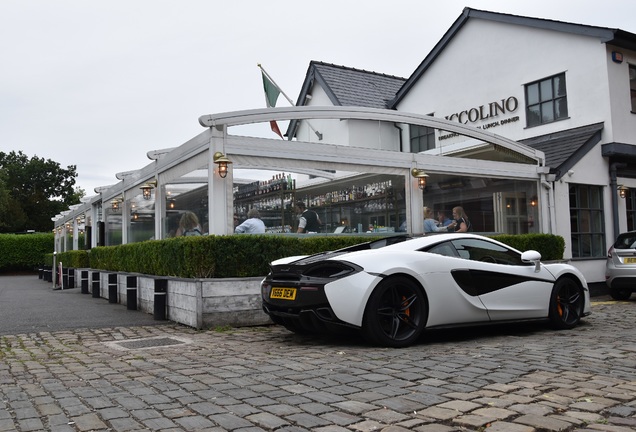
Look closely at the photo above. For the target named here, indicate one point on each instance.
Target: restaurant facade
(495, 119)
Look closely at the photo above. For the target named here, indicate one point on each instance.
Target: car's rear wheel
(396, 313)
(620, 293)
(566, 304)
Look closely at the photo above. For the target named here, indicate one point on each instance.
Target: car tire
(566, 304)
(396, 313)
(620, 293)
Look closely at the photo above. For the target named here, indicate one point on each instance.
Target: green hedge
(24, 252)
(550, 246)
(245, 255)
(211, 256)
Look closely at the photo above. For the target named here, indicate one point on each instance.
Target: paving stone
(355, 407)
(542, 423)
(194, 423)
(307, 420)
(230, 422)
(502, 426)
(386, 416)
(267, 420)
(88, 422)
(340, 418)
(367, 426)
(435, 428)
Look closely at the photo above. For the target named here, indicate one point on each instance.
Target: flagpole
(318, 134)
(277, 86)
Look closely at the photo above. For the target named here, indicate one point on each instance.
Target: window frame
(587, 208)
(419, 134)
(554, 101)
(632, 87)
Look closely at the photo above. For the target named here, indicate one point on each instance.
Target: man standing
(309, 222)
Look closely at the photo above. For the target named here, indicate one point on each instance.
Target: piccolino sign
(485, 112)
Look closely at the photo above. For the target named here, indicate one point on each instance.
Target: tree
(34, 190)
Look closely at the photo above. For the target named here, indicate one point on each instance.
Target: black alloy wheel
(396, 313)
(566, 304)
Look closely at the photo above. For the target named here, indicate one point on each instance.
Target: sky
(98, 84)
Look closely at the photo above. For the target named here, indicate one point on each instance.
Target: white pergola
(170, 165)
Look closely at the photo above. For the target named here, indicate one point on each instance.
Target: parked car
(620, 267)
(393, 289)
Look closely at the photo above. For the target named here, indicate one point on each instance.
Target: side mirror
(532, 256)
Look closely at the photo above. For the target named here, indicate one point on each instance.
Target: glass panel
(595, 198)
(561, 107)
(598, 248)
(596, 221)
(532, 94)
(534, 115)
(547, 114)
(574, 221)
(586, 245)
(584, 196)
(632, 86)
(186, 209)
(559, 85)
(546, 90)
(585, 224)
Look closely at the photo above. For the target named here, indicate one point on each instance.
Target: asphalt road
(29, 304)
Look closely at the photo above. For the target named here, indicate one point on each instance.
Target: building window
(422, 138)
(630, 203)
(586, 221)
(546, 101)
(632, 86)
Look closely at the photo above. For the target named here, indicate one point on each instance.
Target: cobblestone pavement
(173, 378)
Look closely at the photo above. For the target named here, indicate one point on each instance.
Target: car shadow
(432, 337)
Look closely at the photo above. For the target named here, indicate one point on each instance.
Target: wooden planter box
(197, 303)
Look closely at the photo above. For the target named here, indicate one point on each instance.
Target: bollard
(84, 281)
(47, 274)
(161, 297)
(95, 286)
(41, 273)
(112, 288)
(65, 278)
(71, 277)
(131, 292)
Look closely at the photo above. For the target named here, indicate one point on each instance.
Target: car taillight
(609, 252)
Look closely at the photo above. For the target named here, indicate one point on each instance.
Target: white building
(566, 89)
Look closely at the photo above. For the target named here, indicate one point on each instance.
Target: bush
(551, 247)
(24, 252)
(249, 255)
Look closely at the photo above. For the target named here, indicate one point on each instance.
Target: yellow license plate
(629, 260)
(283, 293)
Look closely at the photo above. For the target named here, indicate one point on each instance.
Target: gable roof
(563, 149)
(347, 86)
(616, 37)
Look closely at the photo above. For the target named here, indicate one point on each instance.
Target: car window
(444, 248)
(485, 251)
(625, 241)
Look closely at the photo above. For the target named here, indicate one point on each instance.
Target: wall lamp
(146, 189)
(115, 203)
(420, 175)
(223, 162)
(622, 191)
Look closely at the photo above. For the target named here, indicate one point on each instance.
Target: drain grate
(145, 343)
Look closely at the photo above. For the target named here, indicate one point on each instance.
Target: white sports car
(392, 289)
